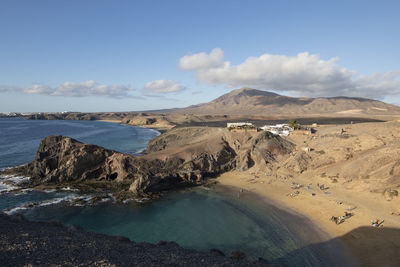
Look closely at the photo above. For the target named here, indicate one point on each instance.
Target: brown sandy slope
(250, 101)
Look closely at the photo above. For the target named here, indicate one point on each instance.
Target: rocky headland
(361, 157)
(178, 158)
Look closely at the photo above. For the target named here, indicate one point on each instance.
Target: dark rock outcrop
(180, 157)
(26, 243)
(262, 150)
(63, 160)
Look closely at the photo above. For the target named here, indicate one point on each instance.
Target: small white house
(238, 124)
(241, 127)
(278, 129)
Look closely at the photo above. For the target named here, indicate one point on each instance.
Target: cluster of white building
(241, 127)
(239, 124)
(278, 129)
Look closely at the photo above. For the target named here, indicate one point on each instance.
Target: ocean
(198, 218)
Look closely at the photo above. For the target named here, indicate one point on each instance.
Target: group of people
(322, 187)
(341, 219)
(295, 194)
(296, 186)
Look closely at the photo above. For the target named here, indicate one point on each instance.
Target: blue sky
(143, 55)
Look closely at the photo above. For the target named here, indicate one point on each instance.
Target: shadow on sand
(364, 246)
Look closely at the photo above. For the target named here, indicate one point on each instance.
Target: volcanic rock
(26, 243)
(180, 157)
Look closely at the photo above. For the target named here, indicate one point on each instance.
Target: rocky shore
(178, 158)
(26, 243)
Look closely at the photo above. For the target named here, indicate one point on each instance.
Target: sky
(96, 55)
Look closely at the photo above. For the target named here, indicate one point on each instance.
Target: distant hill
(247, 101)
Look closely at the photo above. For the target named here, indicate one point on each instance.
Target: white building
(239, 124)
(241, 127)
(278, 129)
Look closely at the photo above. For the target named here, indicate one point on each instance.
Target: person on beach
(377, 223)
(240, 191)
(348, 214)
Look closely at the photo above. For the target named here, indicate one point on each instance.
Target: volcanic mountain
(247, 101)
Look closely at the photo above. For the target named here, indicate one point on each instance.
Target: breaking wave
(11, 182)
(72, 199)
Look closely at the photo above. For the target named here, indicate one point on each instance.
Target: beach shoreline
(161, 130)
(360, 239)
(310, 237)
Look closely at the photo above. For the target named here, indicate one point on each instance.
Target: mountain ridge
(247, 101)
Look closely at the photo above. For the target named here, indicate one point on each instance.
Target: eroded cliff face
(63, 159)
(262, 151)
(180, 157)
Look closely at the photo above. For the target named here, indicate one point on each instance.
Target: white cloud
(74, 89)
(163, 86)
(202, 60)
(303, 74)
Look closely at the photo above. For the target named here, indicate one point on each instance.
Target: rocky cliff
(180, 157)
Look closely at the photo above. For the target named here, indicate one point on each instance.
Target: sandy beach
(110, 120)
(372, 246)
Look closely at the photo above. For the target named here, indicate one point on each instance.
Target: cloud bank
(304, 74)
(164, 86)
(74, 89)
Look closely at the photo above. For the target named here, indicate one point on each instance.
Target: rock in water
(180, 157)
(61, 159)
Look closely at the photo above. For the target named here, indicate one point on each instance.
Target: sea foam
(69, 199)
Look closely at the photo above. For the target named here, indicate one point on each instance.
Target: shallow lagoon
(196, 218)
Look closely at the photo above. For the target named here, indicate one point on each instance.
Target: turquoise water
(196, 218)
